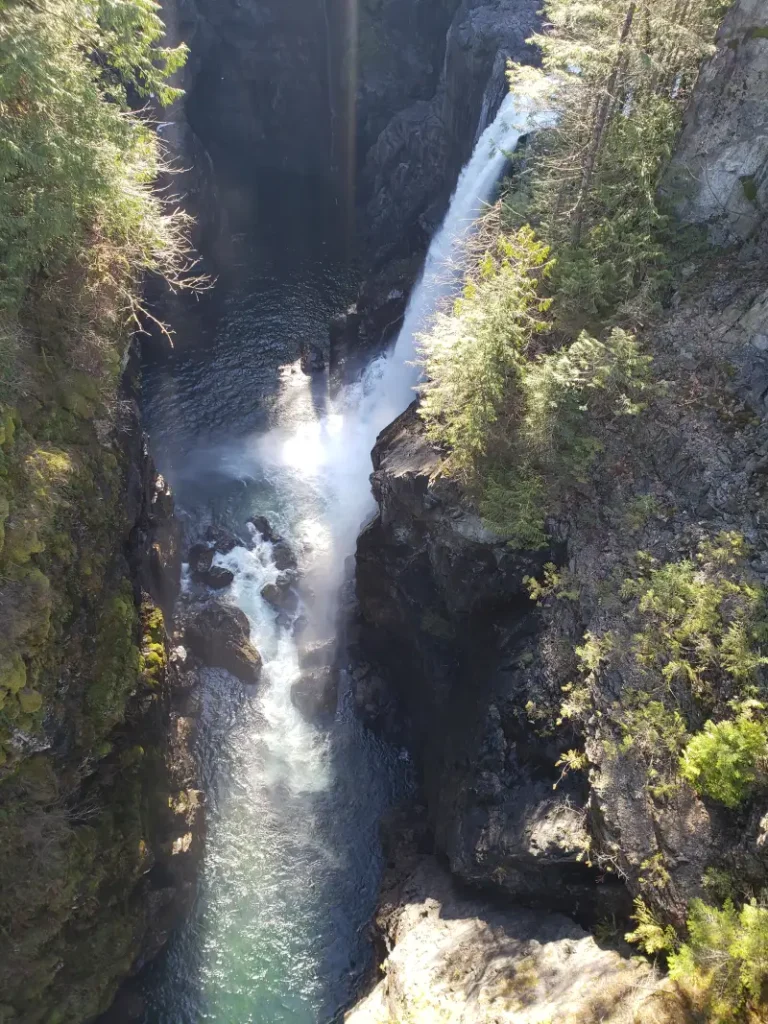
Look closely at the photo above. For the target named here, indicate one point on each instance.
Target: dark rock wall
(411, 169)
(447, 614)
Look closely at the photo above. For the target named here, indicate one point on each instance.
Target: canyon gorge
(304, 733)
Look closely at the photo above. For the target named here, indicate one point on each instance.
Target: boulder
(217, 577)
(317, 654)
(219, 635)
(223, 540)
(281, 596)
(283, 555)
(316, 694)
(263, 526)
(200, 558)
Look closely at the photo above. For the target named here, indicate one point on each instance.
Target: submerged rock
(313, 359)
(217, 577)
(220, 636)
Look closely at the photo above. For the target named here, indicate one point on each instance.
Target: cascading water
(292, 861)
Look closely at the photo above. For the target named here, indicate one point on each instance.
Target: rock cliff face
(413, 165)
(478, 669)
(447, 610)
(101, 821)
(720, 171)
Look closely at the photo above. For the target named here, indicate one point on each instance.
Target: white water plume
(333, 450)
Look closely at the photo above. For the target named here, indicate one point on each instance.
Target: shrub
(476, 350)
(617, 75)
(725, 960)
(724, 760)
(76, 165)
(700, 618)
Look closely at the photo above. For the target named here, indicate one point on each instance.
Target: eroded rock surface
(219, 635)
(459, 960)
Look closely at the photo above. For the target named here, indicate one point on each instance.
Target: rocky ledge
(454, 957)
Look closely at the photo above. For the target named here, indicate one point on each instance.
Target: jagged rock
(281, 596)
(466, 961)
(200, 558)
(447, 614)
(220, 636)
(283, 556)
(315, 694)
(217, 577)
(718, 175)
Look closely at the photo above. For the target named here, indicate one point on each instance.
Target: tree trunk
(604, 111)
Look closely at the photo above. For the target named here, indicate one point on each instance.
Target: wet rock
(217, 577)
(281, 596)
(283, 555)
(316, 694)
(220, 636)
(317, 654)
(200, 558)
(300, 624)
(222, 539)
(313, 358)
(264, 527)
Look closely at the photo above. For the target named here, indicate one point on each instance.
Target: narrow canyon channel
(289, 880)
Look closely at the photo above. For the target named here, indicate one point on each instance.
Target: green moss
(758, 32)
(115, 671)
(13, 674)
(749, 187)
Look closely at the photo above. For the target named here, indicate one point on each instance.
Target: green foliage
(726, 758)
(617, 74)
(725, 960)
(520, 427)
(556, 583)
(76, 166)
(476, 350)
(700, 618)
(651, 934)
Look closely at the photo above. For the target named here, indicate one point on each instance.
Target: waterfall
(336, 447)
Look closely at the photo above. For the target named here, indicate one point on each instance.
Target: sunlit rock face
(463, 961)
(719, 177)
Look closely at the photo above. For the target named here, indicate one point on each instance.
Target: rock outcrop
(219, 634)
(446, 609)
(412, 167)
(480, 670)
(719, 176)
(102, 821)
(458, 959)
